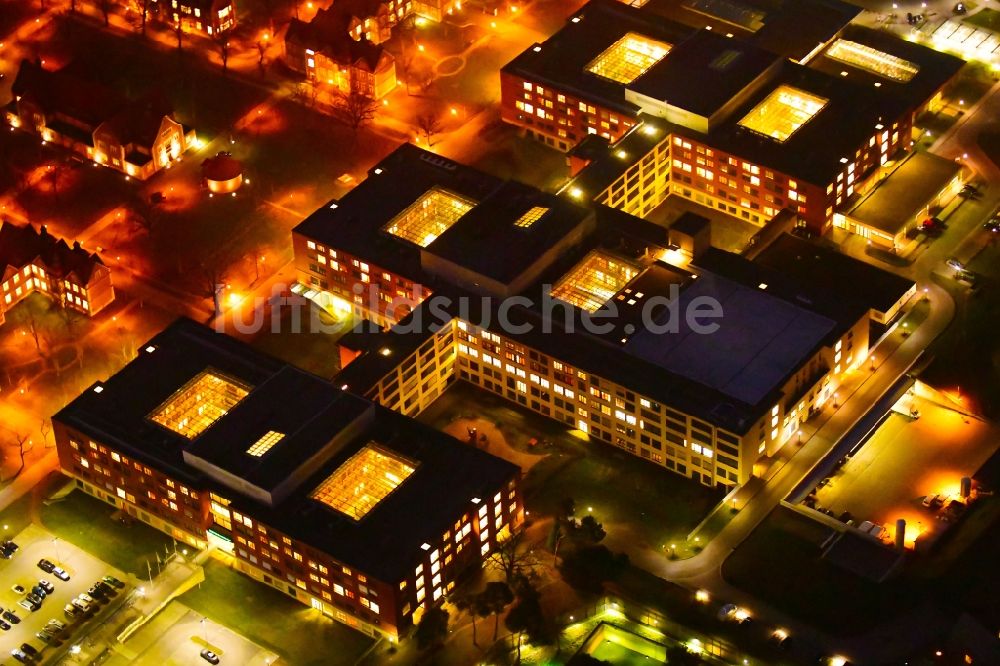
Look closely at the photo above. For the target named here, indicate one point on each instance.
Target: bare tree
(261, 50)
(213, 283)
(430, 124)
(143, 15)
(223, 42)
(512, 558)
(179, 34)
(22, 450)
(105, 7)
(356, 110)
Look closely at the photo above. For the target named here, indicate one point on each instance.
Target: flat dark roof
(385, 542)
(488, 241)
(759, 340)
(690, 224)
(814, 152)
(485, 239)
(791, 28)
(826, 275)
(935, 68)
(705, 71)
(906, 192)
(562, 59)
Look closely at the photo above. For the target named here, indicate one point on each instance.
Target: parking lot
(907, 461)
(177, 636)
(84, 570)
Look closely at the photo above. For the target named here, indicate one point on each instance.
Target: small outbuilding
(222, 174)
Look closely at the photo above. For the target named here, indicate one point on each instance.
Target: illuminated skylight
(532, 216)
(628, 58)
(199, 403)
(429, 216)
(594, 281)
(362, 481)
(872, 60)
(264, 444)
(783, 112)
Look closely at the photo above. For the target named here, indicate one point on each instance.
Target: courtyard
(907, 462)
(641, 505)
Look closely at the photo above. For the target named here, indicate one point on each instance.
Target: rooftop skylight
(783, 112)
(429, 216)
(199, 403)
(363, 480)
(628, 58)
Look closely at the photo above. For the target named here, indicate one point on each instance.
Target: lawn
(87, 523)
(966, 354)
(985, 18)
(780, 564)
(301, 635)
(654, 504)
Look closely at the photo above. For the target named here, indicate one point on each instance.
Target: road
(964, 239)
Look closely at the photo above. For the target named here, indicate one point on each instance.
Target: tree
(22, 451)
(355, 110)
(143, 15)
(473, 605)
(179, 34)
(511, 557)
(430, 124)
(588, 531)
(105, 6)
(433, 627)
(526, 617)
(223, 42)
(213, 279)
(587, 568)
(493, 600)
(680, 655)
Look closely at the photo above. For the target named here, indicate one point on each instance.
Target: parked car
(7, 549)
(39, 591)
(29, 649)
(114, 582)
(60, 573)
(29, 605)
(19, 654)
(59, 626)
(4, 625)
(71, 611)
(45, 565)
(105, 589)
(993, 225)
(17, 589)
(956, 264)
(44, 636)
(47, 586)
(967, 278)
(97, 593)
(11, 617)
(82, 604)
(83, 596)
(210, 656)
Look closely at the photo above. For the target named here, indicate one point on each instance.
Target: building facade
(137, 138)
(35, 261)
(365, 521)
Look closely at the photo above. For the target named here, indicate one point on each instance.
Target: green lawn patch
(300, 634)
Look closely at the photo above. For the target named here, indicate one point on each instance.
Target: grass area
(967, 354)
(807, 587)
(86, 522)
(985, 18)
(655, 504)
(301, 635)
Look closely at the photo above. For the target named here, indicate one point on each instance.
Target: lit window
(783, 112)
(199, 403)
(530, 217)
(264, 444)
(628, 58)
(429, 216)
(594, 281)
(872, 60)
(362, 481)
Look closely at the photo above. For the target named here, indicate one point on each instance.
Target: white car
(60, 573)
